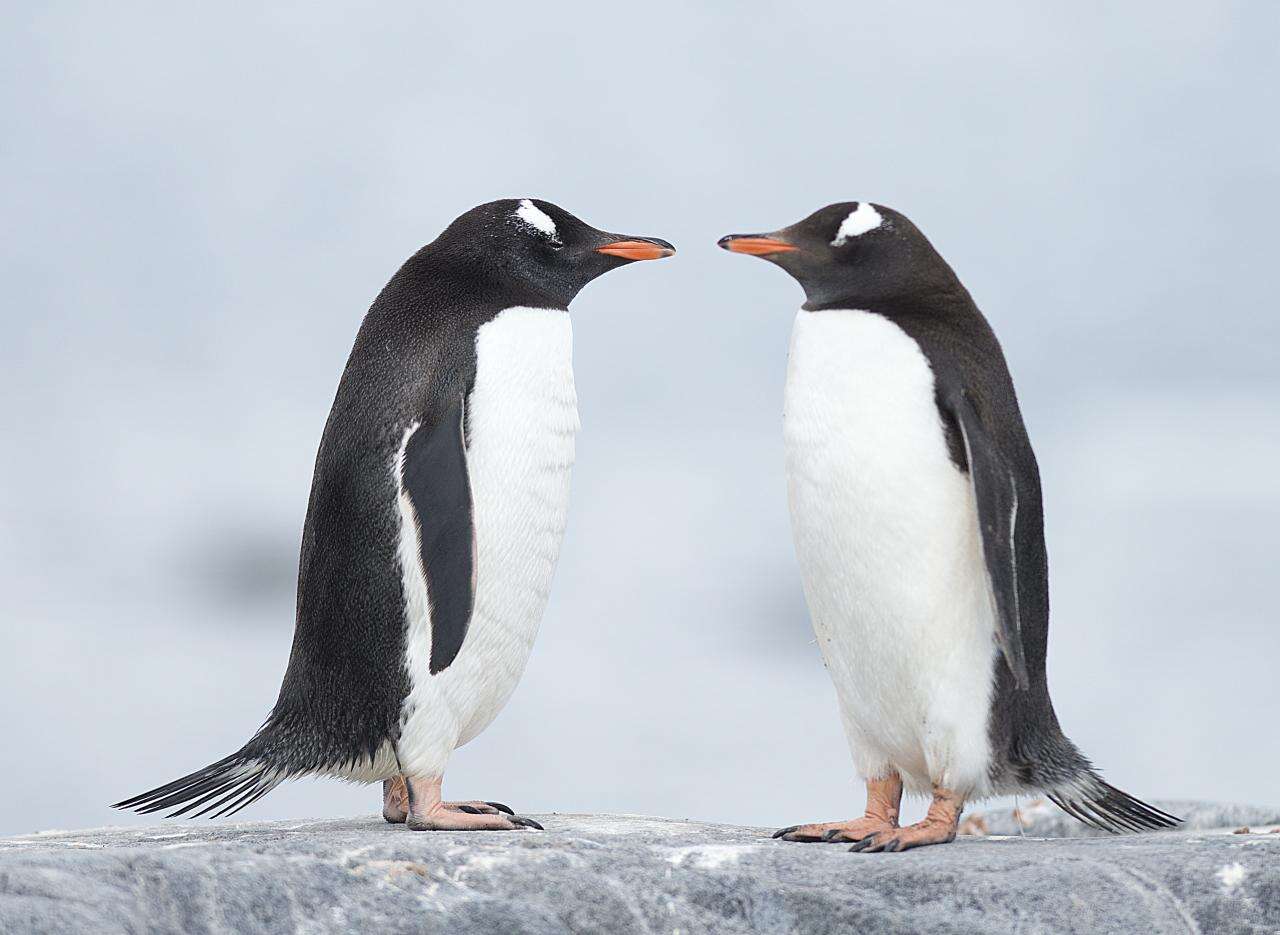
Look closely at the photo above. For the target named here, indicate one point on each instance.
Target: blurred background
(200, 204)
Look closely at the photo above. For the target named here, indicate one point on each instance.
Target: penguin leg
(884, 797)
(395, 803)
(428, 813)
(938, 827)
(395, 800)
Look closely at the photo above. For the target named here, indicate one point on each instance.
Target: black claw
(500, 807)
(832, 834)
(893, 846)
(785, 831)
(859, 846)
(523, 822)
(470, 810)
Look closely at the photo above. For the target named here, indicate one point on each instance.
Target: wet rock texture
(623, 874)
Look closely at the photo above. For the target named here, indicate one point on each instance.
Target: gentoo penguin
(434, 523)
(918, 525)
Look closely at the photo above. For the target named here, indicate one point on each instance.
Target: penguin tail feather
(1099, 804)
(221, 788)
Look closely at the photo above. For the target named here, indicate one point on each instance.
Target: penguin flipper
(995, 487)
(434, 475)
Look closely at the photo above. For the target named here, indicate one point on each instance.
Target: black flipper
(995, 487)
(434, 475)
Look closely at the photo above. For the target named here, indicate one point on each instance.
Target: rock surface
(1042, 819)
(621, 874)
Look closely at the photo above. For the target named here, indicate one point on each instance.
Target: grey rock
(1041, 818)
(624, 874)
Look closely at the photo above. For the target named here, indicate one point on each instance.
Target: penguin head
(851, 254)
(537, 246)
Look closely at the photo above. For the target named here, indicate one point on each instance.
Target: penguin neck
(940, 291)
(920, 277)
(541, 292)
(946, 298)
(505, 284)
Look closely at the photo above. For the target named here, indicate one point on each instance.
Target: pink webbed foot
(424, 810)
(475, 807)
(938, 827)
(445, 820)
(884, 797)
(853, 830)
(395, 803)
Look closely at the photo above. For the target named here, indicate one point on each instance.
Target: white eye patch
(536, 218)
(860, 220)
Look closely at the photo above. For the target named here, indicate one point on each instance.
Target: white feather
(536, 218)
(522, 417)
(886, 533)
(1013, 551)
(382, 765)
(860, 220)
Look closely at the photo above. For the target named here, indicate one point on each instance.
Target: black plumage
(413, 363)
(435, 478)
(894, 271)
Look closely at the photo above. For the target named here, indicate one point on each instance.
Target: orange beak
(636, 250)
(756, 246)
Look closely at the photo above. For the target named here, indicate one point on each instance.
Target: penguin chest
(886, 535)
(521, 419)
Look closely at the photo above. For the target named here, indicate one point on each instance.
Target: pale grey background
(199, 205)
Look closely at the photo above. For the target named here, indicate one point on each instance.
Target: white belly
(522, 418)
(887, 539)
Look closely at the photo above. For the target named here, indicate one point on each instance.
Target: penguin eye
(556, 245)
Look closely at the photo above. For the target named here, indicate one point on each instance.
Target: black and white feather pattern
(221, 788)
(1101, 805)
